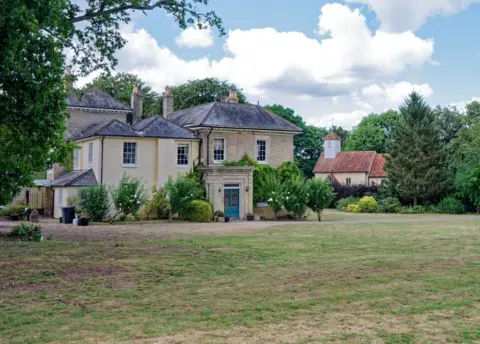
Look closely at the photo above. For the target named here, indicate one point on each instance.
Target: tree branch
(120, 9)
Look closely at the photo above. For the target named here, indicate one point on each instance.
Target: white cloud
(405, 15)
(193, 37)
(262, 60)
(392, 95)
(345, 120)
(461, 106)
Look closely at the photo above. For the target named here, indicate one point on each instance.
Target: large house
(114, 139)
(349, 168)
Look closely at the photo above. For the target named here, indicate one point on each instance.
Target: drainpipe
(208, 146)
(101, 164)
(53, 202)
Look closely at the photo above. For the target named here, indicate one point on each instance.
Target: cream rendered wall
(113, 167)
(356, 178)
(378, 181)
(97, 143)
(239, 143)
(167, 159)
(66, 193)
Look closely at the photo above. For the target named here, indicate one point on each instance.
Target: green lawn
(363, 283)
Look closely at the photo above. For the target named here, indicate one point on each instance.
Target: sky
(332, 62)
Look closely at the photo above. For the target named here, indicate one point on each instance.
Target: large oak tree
(34, 38)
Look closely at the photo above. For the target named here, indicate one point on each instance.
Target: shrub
(14, 210)
(274, 192)
(450, 205)
(390, 205)
(289, 171)
(129, 196)
(27, 232)
(181, 192)
(95, 201)
(357, 191)
(320, 195)
(354, 208)
(73, 201)
(158, 205)
(368, 204)
(296, 197)
(343, 203)
(199, 211)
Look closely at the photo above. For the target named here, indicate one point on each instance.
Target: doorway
(231, 200)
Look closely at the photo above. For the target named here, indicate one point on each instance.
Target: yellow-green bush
(368, 204)
(353, 208)
(199, 211)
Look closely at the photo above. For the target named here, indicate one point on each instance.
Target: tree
(181, 192)
(308, 145)
(417, 168)
(373, 133)
(203, 91)
(274, 191)
(320, 195)
(34, 36)
(120, 87)
(472, 113)
(129, 196)
(468, 183)
(450, 121)
(343, 133)
(295, 196)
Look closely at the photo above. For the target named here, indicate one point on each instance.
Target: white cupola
(331, 145)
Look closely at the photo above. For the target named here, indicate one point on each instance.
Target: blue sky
(325, 59)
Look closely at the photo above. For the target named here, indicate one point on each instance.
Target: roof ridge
(208, 112)
(151, 119)
(279, 117)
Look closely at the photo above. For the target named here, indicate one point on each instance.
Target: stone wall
(80, 119)
(239, 143)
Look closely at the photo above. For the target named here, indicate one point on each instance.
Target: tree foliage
(417, 168)
(128, 196)
(35, 36)
(320, 195)
(95, 201)
(181, 192)
(197, 92)
(373, 133)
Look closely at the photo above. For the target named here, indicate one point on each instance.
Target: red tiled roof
(332, 136)
(377, 169)
(346, 162)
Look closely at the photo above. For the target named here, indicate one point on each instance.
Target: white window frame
(60, 197)
(185, 145)
(76, 158)
(224, 150)
(136, 154)
(90, 154)
(266, 150)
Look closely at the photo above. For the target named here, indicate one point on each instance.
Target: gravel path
(162, 230)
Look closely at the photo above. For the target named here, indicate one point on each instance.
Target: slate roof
(378, 170)
(96, 99)
(332, 136)
(160, 127)
(346, 162)
(76, 178)
(42, 182)
(232, 115)
(106, 128)
(154, 127)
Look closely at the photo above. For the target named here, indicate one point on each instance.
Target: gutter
(208, 146)
(101, 164)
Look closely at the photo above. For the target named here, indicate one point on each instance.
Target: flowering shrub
(295, 197)
(181, 192)
(95, 201)
(368, 204)
(129, 196)
(274, 192)
(320, 195)
(353, 208)
(343, 203)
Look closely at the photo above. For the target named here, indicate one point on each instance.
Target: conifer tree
(417, 168)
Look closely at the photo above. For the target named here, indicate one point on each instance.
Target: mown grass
(390, 283)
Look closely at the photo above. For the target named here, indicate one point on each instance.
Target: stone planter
(83, 222)
(250, 217)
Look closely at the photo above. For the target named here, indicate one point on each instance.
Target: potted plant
(250, 217)
(14, 216)
(219, 216)
(83, 219)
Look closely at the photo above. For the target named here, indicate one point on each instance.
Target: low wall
(266, 213)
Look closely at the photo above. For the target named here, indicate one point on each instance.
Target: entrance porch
(230, 189)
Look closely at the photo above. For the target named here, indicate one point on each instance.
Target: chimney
(137, 103)
(232, 97)
(168, 103)
(68, 76)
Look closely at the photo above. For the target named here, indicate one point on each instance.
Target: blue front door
(231, 200)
